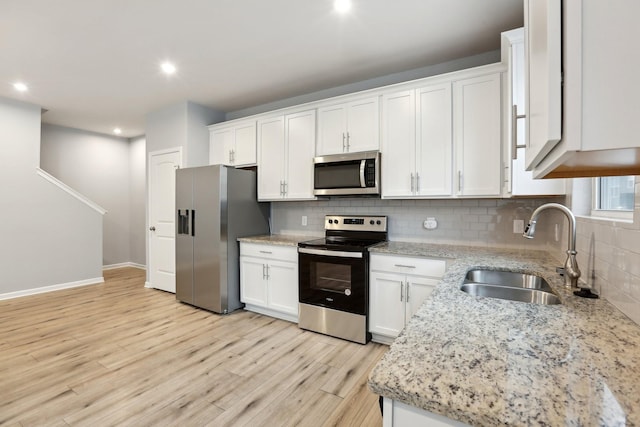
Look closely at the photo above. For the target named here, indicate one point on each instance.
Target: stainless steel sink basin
(508, 285)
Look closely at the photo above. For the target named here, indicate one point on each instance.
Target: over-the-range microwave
(347, 174)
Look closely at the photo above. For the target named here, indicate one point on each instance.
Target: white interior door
(162, 230)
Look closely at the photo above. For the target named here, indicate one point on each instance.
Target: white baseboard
(124, 264)
(34, 291)
(148, 285)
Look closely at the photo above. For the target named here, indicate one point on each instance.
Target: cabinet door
(253, 284)
(434, 142)
(271, 158)
(386, 304)
(332, 130)
(398, 144)
(283, 287)
(220, 145)
(418, 289)
(477, 134)
(245, 144)
(543, 89)
(521, 182)
(301, 137)
(363, 125)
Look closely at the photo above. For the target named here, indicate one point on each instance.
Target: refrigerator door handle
(179, 221)
(193, 222)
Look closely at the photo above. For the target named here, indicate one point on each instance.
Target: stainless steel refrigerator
(214, 206)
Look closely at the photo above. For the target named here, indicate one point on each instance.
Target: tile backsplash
(474, 222)
(609, 258)
(608, 251)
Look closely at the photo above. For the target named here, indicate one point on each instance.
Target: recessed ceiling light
(168, 68)
(117, 131)
(342, 6)
(20, 87)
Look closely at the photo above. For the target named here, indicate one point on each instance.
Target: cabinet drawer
(282, 253)
(408, 265)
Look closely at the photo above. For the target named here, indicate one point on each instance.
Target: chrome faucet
(570, 271)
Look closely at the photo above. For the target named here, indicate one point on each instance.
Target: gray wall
(475, 222)
(137, 200)
(97, 166)
(417, 73)
(180, 125)
(48, 236)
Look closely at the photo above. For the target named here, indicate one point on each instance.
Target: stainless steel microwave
(347, 174)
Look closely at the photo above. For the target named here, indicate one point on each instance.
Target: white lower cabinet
(269, 280)
(398, 285)
(398, 414)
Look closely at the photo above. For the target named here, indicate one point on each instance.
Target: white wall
(48, 237)
(98, 166)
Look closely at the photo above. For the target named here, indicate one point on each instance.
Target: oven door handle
(337, 254)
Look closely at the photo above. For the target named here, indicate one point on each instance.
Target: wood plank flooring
(120, 354)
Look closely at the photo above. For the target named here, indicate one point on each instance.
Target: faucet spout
(571, 271)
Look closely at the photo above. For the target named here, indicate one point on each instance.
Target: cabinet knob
(152, 228)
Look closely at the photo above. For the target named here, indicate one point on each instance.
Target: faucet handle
(560, 270)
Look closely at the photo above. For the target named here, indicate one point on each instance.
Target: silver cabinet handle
(268, 275)
(152, 228)
(405, 266)
(264, 275)
(266, 252)
(401, 291)
(412, 183)
(459, 181)
(286, 187)
(407, 299)
(514, 131)
(348, 144)
(281, 188)
(417, 182)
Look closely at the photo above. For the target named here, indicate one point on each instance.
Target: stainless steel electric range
(334, 276)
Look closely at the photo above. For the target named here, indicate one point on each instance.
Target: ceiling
(94, 65)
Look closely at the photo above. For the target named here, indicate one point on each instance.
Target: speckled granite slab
(489, 362)
(277, 239)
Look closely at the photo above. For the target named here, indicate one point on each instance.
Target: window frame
(596, 212)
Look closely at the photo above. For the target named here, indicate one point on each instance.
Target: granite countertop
(277, 239)
(488, 362)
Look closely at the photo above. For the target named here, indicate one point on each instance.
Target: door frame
(150, 154)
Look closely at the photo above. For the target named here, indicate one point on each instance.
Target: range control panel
(355, 223)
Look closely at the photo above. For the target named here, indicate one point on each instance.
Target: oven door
(334, 279)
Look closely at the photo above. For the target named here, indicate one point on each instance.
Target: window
(614, 197)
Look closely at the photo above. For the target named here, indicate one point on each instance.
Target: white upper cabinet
(233, 145)
(423, 127)
(543, 74)
(285, 157)
(434, 140)
(416, 142)
(600, 94)
(518, 181)
(348, 127)
(477, 135)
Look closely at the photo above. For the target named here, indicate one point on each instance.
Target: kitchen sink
(509, 285)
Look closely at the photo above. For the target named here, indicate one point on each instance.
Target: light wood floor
(120, 354)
